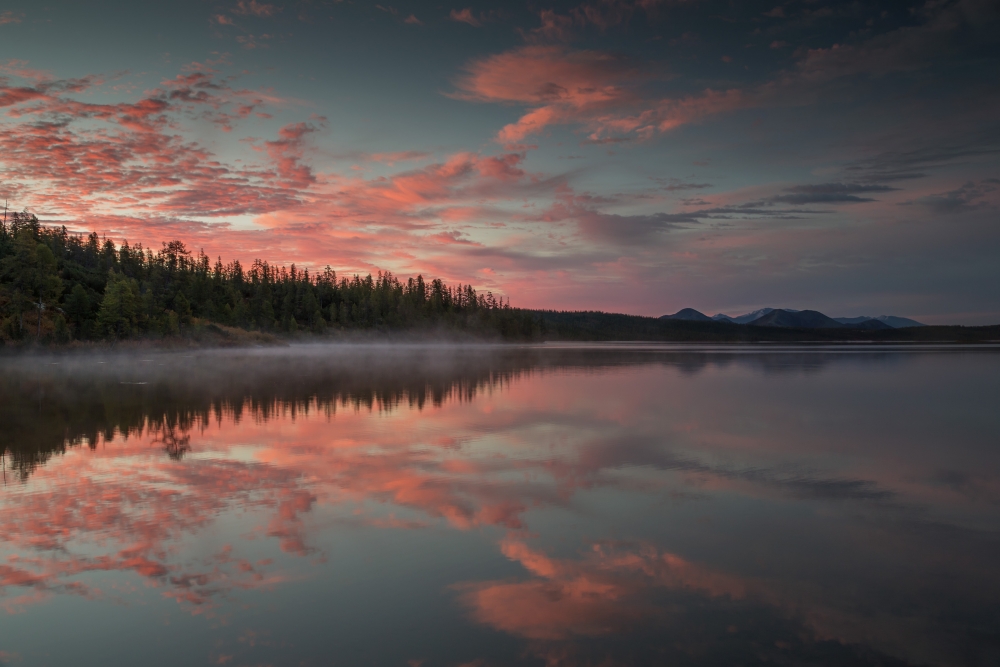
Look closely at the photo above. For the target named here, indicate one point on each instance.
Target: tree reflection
(49, 404)
(175, 444)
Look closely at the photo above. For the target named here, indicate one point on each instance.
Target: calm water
(421, 506)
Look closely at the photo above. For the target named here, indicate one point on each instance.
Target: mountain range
(798, 319)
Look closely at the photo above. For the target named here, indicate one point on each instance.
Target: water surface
(479, 506)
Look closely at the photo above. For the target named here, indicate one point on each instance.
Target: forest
(58, 287)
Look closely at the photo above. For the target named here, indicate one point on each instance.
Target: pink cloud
(11, 96)
(598, 91)
(539, 74)
(133, 159)
(605, 94)
(286, 153)
(8, 16)
(398, 156)
(417, 197)
(465, 16)
(19, 69)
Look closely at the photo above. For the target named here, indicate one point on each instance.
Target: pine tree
(120, 306)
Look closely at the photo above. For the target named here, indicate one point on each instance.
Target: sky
(635, 156)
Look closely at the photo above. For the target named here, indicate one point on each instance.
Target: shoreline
(568, 329)
(181, 344)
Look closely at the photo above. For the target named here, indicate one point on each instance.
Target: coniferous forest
(58, 287)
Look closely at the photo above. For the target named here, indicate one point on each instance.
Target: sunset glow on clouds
(627, 156)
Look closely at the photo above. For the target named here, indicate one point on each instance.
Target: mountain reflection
(640, 505)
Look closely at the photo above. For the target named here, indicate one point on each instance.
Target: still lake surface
(480, 506)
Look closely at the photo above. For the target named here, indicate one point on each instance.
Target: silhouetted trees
(57, 286)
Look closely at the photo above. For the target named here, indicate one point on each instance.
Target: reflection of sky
(824, 511)
(636, 156)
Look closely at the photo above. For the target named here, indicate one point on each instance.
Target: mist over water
(502, 505)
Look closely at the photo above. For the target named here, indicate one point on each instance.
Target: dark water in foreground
(426, 506)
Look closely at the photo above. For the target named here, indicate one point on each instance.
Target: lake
(422, 506)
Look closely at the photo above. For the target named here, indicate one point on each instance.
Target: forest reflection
(48, 404)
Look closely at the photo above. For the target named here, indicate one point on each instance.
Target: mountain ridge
(803, 319)
(688, 315)
(798, 319)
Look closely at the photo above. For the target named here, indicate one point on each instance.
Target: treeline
(56, 287)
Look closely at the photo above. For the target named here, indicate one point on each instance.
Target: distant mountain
(746, 319)
(798, 319)
(890, 321)
(899, 322)
(689, 314)
(871, 324)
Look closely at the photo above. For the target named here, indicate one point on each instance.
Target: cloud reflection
(606, 592)
(310, 441)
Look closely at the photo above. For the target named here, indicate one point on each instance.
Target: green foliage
(183, 309)
(77, 306)
(119, 314)
(59, 286)
(29, 274)
(61, 333)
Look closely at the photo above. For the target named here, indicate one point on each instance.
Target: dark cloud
(820, 198)
(675, 184)
(645, 229)
(640, 451)
(756, 209)
(913, 163)
(606, 140)
(830, 193)
(631, 229)
(950, 31)
(838, 188)
(970, 197)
